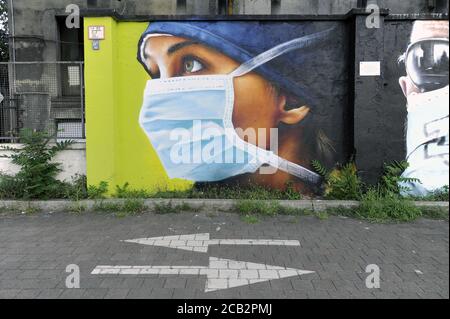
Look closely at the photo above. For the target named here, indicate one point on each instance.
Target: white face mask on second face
(427, 118)
(428, 140)
(188, 107)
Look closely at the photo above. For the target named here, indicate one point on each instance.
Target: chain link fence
(42, 96)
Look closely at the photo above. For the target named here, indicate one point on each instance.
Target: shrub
(76, 190)
(439, 195)
(342, 183)
(392, 180)
(97, 191)
(36, 178)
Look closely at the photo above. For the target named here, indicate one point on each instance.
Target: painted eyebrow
(173, 48)
(180, 46)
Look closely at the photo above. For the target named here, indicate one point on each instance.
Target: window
(223, 7)
(275, 7)
(71, 49)
(181, 6)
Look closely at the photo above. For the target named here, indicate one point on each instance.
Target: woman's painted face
(257, 103)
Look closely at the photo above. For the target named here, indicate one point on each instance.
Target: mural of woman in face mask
(219, 89)
(426, 88)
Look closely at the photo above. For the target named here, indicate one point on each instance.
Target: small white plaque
(370, 68)
(96, 32)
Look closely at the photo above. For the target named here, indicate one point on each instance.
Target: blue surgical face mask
(189, 123)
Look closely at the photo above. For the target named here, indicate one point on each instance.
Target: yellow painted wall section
(118, 151)
(100, 104)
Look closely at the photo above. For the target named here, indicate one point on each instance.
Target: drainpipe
(361, 4)
(13, 37)
(230, 7)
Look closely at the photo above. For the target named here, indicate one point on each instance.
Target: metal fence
(42, 96)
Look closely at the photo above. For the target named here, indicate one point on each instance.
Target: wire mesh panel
(42, 96)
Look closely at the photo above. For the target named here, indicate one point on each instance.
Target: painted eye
(192, 66)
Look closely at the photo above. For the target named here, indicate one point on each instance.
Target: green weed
(250, 219)
(378, 207)
(97, 191)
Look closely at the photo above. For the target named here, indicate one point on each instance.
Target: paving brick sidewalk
(35, 250)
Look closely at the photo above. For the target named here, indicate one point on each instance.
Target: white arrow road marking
(221, 273)
(201, 242)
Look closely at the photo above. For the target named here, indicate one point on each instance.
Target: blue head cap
(243, 40)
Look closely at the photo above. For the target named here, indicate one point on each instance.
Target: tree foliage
(4, 31)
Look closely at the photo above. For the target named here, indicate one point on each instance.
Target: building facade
(63, 79)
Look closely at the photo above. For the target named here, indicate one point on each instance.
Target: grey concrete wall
(36, 32)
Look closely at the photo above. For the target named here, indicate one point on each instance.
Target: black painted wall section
(396, 40)
(379, 106)
(369, 141)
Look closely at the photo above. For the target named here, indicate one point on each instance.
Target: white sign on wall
(96, 32)
(370, 68)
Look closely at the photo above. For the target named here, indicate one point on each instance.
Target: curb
(58, 206)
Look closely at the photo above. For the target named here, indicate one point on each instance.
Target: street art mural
(234, 102)
(425, 87)
(254, 102)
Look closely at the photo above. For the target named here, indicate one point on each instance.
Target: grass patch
(30, 209)
(440, 195)
(107, 207)
(230, 192)
(125, 192)
(186, 207)
(128, 207)
(435, 213)
(322, 215)
(77, 208)
(165, 208)
(379, 208)
(247, 207)
(341, 211)
(212, 215)
(169, 208)
(294, 220)
(134, 205)
(10, 210)
(373, 207)
(295, 211)
(250, 219)
(269, 208)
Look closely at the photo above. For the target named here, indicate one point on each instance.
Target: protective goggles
(426, 63)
